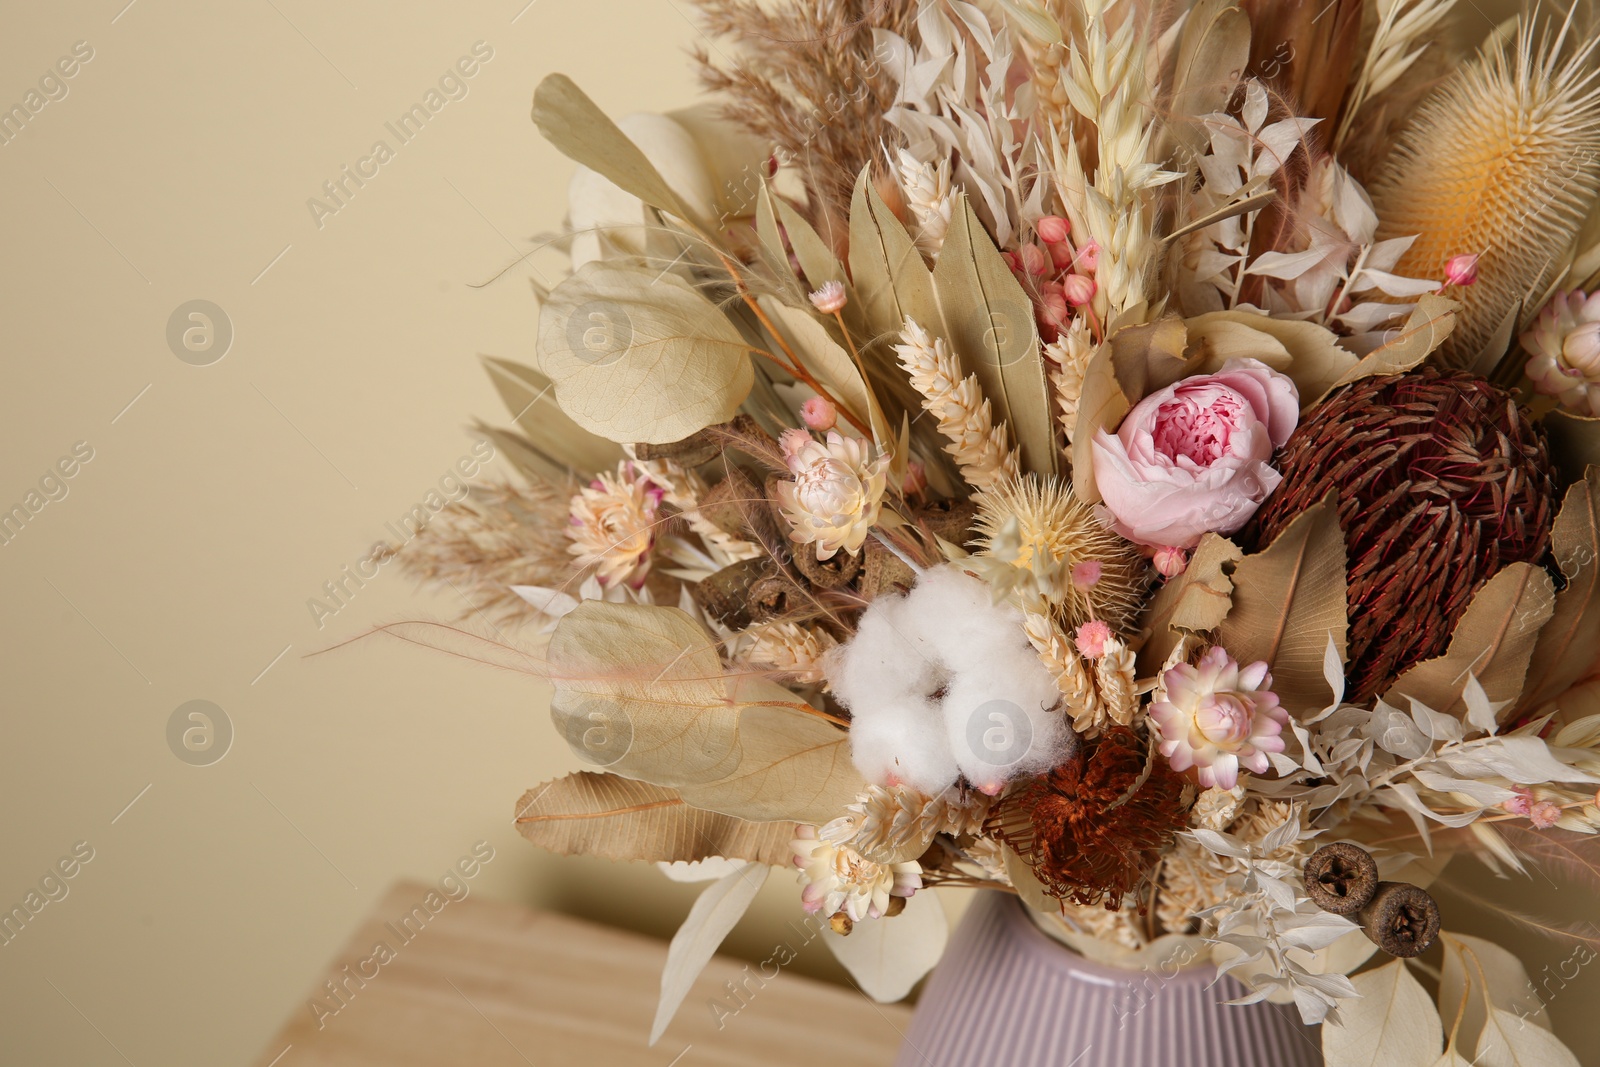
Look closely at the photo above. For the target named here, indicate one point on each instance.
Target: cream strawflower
(613, 525)
(1565, 345)
(836, 493)
(1218, 717)
(838, 878)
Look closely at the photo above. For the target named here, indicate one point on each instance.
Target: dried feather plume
(1501, 160)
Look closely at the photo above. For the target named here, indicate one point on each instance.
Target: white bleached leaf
(1285, 265)
(1315, 931)
(1394, 1022)
(709, 869)
(1509, 1041)
(716, 911)
(1523, 760)
(552, 603)
(1482, 712)
(1480, 977)
(1220, 843)
(888, 956)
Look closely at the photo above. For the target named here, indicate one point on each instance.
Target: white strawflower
(1564, 342)
(838, 878)
(837, 491)
(613, 525)
(793, 649)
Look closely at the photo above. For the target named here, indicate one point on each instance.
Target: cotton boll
(903, 742)
(998, 708)
(886, 676)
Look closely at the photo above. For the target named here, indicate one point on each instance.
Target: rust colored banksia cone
(1440, 481)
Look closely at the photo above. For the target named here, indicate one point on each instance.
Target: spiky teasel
(1058, 550)
(977, 442)
(1499, 161)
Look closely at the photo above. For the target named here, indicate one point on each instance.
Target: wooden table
(488, 984)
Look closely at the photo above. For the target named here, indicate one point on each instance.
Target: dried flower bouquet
(1136, 457)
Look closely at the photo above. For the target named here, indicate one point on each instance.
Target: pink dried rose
(1218, 717)
(1196, 457)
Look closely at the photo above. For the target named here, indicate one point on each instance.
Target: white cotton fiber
(943, 682)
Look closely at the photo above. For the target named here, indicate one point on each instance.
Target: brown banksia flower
(1499, 160)
(1093, 827)
(1441, 480)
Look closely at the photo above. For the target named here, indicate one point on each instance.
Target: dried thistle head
(1057, 549)
(1500, 160)
(1092, 829)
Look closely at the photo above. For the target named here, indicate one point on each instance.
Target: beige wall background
(220, 498)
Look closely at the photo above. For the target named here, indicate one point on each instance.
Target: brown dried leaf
(1568, 649)
(1101, 406)
(1288, 600)
(1309, 354)
(1195, 601)
(1149, 356)
(617, 818)
(1493, 641)
(1574, 442)
(1213, 51)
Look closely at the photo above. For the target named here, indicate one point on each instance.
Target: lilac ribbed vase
(1006, 995)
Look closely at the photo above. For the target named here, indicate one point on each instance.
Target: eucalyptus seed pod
(770, 596)
(727, 595)
(835, 572)
(1341, 878)
(729, 504)
(1401, 919)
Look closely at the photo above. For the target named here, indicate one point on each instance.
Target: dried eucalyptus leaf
(791, 765)
(816, 258)
(640, 690)
(530, 397)
(1101, 406)
(989, 323)
(770, 244)
(1568, 649)
(1393, 1022)
(1287, 601)
(1424, 331)
(572, 122)
(1195, 601)
(892, 282)
(1508, 1041)
(637, 354)
(617, 818)
(1494, 640)
(831, 365)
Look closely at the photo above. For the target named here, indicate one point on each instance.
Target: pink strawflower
(1053, 229)
(819, 414)
(1086, 573)
(830, 298)
(1170, 562)
(1078, 289)
(1544, 814)
(1092, 638)
(1521, 803)
(1462, 269)
(1218, 717)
